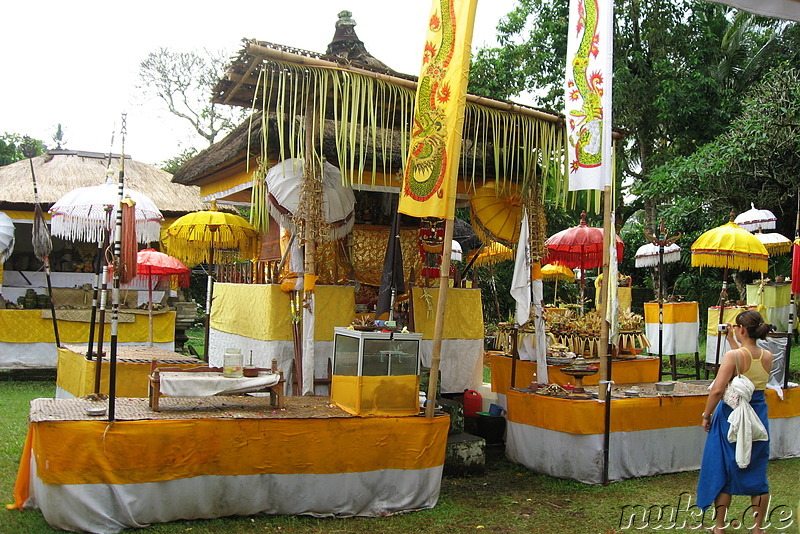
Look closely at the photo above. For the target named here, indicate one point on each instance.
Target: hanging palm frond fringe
(372, 122)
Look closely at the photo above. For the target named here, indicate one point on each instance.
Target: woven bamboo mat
(137, 409)
(142, 354)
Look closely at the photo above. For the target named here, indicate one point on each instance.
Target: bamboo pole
(438, 328)
(608, 235)
(288, 57)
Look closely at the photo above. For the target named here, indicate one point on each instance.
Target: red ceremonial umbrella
(579, 247)
(153, 264)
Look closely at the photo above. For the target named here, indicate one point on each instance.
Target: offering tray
(579, 373)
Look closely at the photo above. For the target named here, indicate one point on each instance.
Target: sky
(76, 63)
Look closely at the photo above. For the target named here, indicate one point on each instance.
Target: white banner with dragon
(588, 93)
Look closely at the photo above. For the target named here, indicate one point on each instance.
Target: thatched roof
(60, 171)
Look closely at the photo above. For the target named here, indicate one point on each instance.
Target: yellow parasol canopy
(491, 254)
(496, 212)
(731, 247)
(557, 272)
(191, 237)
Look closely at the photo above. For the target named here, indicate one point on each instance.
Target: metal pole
(112, 376)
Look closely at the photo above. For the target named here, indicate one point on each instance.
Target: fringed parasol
(153, 264)
(284, 183)
(579, 247)
(490, 254)
(755, 219)
(775, 243)
(554, 272)
(191, 237)
(83, 213)
(194, 237)
(558, 273)
(647, 255)
(730, 247)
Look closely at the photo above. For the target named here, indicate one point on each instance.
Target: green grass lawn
(507, 499)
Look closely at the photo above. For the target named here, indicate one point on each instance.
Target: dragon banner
(588, 93)
(431, 171)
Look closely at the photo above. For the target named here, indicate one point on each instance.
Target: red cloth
(796, 268)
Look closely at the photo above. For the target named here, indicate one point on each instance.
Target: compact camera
(722, 328)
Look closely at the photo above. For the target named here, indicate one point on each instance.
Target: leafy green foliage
(172, 165)
(756, 160)
(11, 148)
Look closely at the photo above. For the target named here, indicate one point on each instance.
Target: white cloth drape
(540, 348)
(521, 280)
(745, 427)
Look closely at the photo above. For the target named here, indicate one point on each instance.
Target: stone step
(465, 455)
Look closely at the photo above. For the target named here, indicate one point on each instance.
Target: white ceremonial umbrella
(284, 184)
(455, 253)
(647, 255)
(755, 219)
(775, 243)
(6, 237)
(87, 213)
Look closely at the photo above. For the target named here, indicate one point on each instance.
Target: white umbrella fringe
(647, 255)
(283, 182)
(80, 215)
(6, 237)
(754, 219)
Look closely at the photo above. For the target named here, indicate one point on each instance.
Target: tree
(173, 164)
(756, 160)
(11, 148)
(666, 95)
(58, 137)
(184, 82)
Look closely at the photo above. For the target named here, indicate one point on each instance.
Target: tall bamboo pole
(438, 327)
(608, 235)
(604, 391)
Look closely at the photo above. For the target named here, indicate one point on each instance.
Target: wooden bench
(154, 390)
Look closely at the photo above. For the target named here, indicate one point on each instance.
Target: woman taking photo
(721, 475)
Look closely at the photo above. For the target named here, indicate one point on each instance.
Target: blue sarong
(719, 472)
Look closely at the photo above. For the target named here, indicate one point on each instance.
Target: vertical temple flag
(431, 171)
(521, 279)
(588, 93)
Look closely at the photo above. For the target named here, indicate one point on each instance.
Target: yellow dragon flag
(429, 181)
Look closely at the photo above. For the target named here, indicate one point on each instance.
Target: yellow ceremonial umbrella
(496, 212)
(194, 237)
(730, 247)
(490, 254)
(557, 272)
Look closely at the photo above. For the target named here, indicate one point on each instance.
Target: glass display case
(376, 373)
